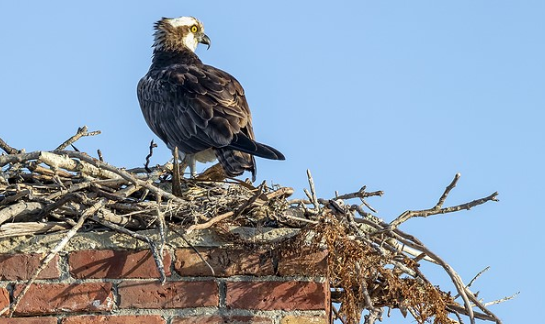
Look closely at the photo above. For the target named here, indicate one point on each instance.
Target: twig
(162, 227)
(374, 315)
(298, 201)
(337, 315)
(283, 192)
(82, 131)
(437, 208)
(504, 299)
(227, 214)
(361, 194)
(18, 158)
(64, 160)
(8, 149)
(365, 291)
(19, 209)
(458, 309)
(176, 181)
(447, 191)
(299, 219)
(312, 195)
(251, 201)
(31, 228)
(123, 174)
(210, 222)
(9, 199)
(152, 145)
(476, 277)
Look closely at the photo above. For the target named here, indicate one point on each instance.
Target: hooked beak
(205, 40)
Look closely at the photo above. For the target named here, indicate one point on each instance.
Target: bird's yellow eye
(194, 28)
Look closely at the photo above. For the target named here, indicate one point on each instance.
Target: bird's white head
(175, 34)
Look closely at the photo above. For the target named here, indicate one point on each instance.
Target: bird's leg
(189, 160)
(185, 161)
(192, 166)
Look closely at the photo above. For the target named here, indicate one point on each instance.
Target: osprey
(195, 107)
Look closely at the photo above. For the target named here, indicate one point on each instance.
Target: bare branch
(437, 208)
(312, 196)
(476, 277)
(22, 208)
(8, 149)
(504, 299)
(447, 191)
(31, 228)
(100, 157)
(152, 145)
(176, 179)
(82, 131)
(360, 194)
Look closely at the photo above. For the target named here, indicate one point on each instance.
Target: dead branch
(501, 300)
(176, 179)
(31, 228)
(475, 278)
(360, 194)
(437, 209)
(152, 145)
(8, 149)
(312, 195)
(82, 131)
(123, 174)
(21, 208)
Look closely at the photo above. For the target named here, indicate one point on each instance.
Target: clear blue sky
(396, 95)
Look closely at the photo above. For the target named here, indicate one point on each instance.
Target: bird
(198, 108)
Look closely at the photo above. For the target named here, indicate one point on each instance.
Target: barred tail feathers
(236, 162)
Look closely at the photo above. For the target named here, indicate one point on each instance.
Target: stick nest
(373, 266)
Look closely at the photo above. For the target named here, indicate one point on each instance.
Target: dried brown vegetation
(373, 266)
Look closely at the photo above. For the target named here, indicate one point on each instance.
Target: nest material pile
(373, 265)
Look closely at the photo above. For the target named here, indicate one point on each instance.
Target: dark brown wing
(196, 107)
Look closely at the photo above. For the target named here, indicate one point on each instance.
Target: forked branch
(439, 209)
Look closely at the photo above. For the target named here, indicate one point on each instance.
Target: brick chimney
(111, 278)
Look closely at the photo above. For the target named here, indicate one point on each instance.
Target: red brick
(4, 298)
(225, 262)
(115, 264)
(106, 319)
(303, 263)
(29, 320)
(276, 295)
(231, 262)
(63, 298)
(22, 267)
(302, 319)
(179, 294)
(216, 319)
